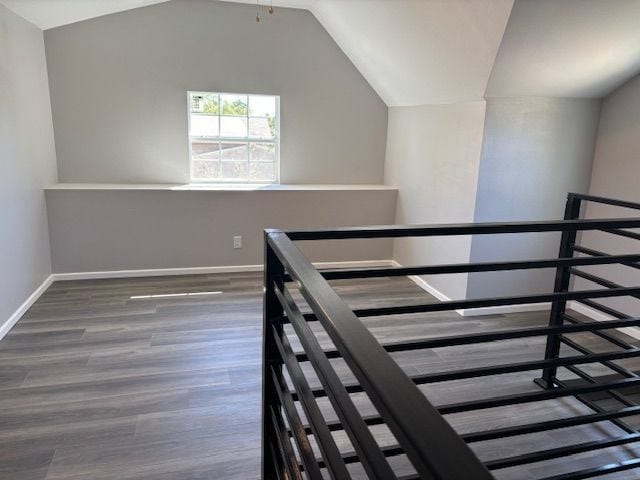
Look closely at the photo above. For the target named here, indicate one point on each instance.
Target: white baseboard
(355, 264)
(161, 272)
(601, 317)
(468, 312)
(61, 277)
(531, 307)
(576, 306)
(418, 280)
(422, 283)
(154, 272)
(56, 277)
(592, 313)
(22, 309)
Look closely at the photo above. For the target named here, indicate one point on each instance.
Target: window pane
(204, 125)
(234, 151)
(206, 170)
(233, 137)
(233, 127)
(262, 127)
(262, 172)
(205, 150)
(234, 104)
(262, 106)
(234, 171)
(262, 152)
(197, 103)
(205, 103)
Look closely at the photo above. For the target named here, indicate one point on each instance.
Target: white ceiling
(54, 13)
(567, 48)
(306, 4)
(416, 52)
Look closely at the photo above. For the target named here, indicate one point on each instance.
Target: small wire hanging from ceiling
(270, 10)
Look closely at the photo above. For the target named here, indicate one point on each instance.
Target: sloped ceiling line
(567, 48)
(48, 14)
(418, 52)
(412, 52)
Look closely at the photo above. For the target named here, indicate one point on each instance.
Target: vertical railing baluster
(562, 282)
(273, 314)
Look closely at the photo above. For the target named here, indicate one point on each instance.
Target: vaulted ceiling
(567, 48)
(54, 13)
(416, 52)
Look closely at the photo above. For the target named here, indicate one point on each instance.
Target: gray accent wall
(616, 165)
(566, 49)
(116, 229)
(27, 161)
(119, 92)
(616, 173)
(534, 151)
(433, 157)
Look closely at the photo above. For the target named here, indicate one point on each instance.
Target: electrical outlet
(237, 241)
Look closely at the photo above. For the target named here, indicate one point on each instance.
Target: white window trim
(247, 139)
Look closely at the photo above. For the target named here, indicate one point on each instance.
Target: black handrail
(607, 201)
(492, 228)
(340, 274)
(432, 446)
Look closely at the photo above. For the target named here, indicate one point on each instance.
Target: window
(234, 137)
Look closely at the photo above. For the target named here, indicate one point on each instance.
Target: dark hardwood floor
(102, 381)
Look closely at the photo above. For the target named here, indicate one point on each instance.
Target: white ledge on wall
(215, 187)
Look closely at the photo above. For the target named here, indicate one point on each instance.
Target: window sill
(214, 187)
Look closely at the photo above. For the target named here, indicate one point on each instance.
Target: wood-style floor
(96, 384)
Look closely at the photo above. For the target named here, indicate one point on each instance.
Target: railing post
(562, 279)
(272, 315)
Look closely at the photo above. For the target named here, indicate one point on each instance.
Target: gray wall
(433, 155)
(616, 173)
(119, 86)
(616, 166)
(534, 151)
(27, 161)
(106, 230)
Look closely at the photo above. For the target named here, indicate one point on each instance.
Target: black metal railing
(298, 439)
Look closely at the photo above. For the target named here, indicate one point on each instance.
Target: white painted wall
(514, 162)
(27, 161)
(119, 86)
(433, 156)
(534, 151)
(616, 173)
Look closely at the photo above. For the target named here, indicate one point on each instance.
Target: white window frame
(248, 139)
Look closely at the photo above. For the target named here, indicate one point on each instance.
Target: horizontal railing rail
(607, 201)
(433, 447)
(342, 274)
(394, 231)
(482, 337)
(494, 302)
(306, 399)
